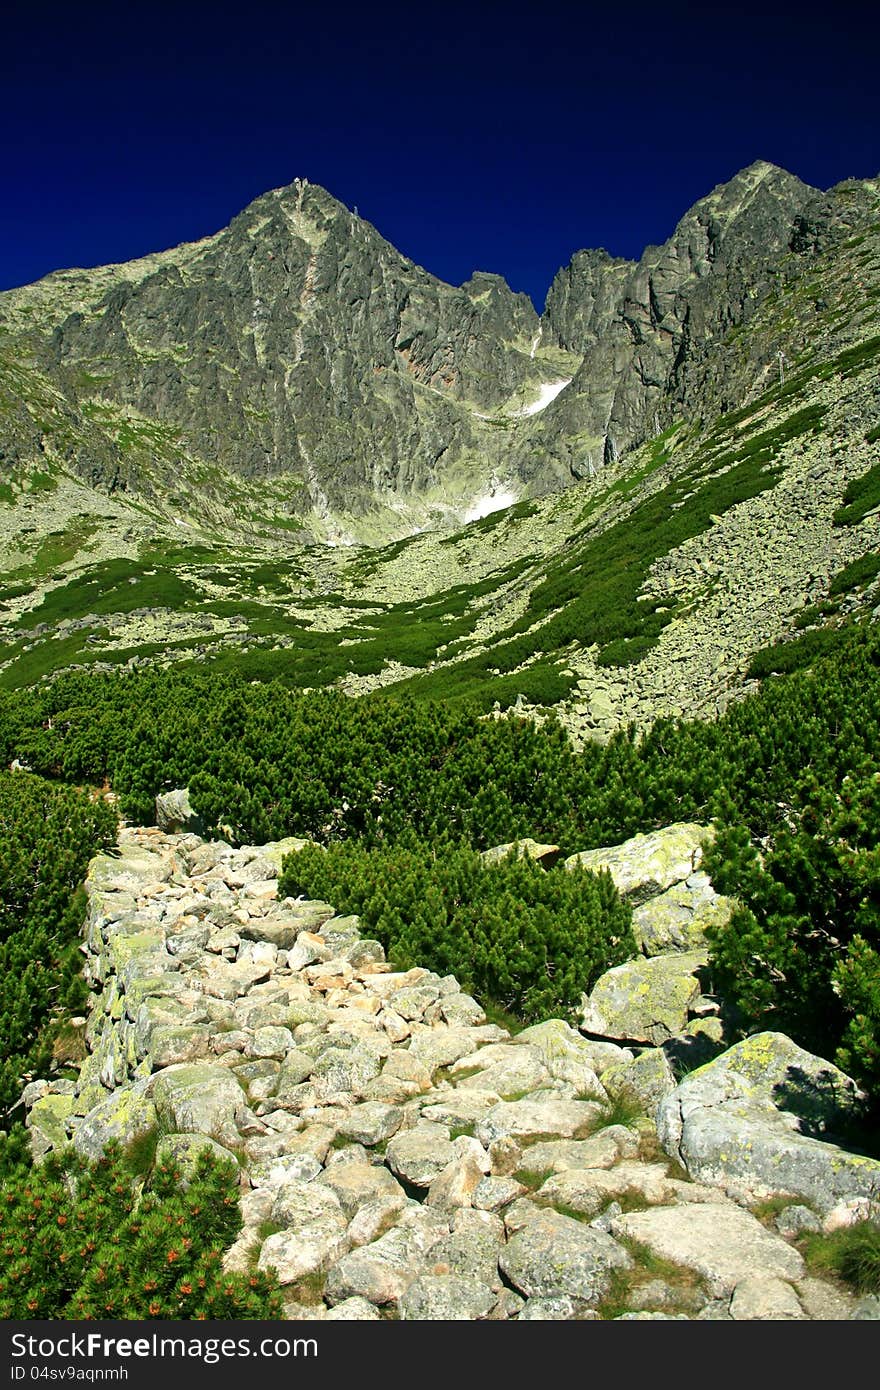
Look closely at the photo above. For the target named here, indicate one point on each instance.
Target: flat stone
(587, 1191)
(765, 1300)
(723, 1244)
(530, 1119)
(601, 1150)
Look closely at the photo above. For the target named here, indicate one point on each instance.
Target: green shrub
(800, 953)
(857, 574)
(862, 495)
(528, 939)
(48, 834)
(83, 1241)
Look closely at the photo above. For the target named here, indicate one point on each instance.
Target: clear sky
(474, 136)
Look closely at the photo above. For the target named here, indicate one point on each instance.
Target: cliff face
(653, 335)
(297, 340)
(298, 347)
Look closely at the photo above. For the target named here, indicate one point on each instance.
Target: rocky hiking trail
(402, 1157)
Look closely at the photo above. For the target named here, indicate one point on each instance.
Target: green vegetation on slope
(48, 834)
(592, 592)
(263, 762)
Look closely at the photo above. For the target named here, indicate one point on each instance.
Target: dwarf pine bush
(522, 937)
(83, 1241)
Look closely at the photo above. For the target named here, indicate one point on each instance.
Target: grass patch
(624, 1109)
(853, 1254)
(856, 575)
(861, 496)
(533, 1178)
(140, 1152)
(462, 1131)
(767, 1211)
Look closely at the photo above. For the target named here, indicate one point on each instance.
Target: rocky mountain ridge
(298, 347)
(543, 553)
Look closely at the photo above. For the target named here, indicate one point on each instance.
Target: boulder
(644, 1000)
(647, 1079)
(765, 1300)
(602, 1150)
(447, 1298)
(648, 864)
(47, 1123)
(315, 1233)
(356, 1183)
(545, 855)
(371, 1122)
(678, 919)
(417, 1156)
(380, 1272)
(183, 1151)
(504, 1068)
(174, 813)
(587, 1191)
(553, 1255)
(748, 1122)
(201, 1099)
(125, 1116)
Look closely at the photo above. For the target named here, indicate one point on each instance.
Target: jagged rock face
(298, 340)
(656, 326)
(586, 297)
(298, 344)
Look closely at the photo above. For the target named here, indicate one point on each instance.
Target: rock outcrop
(749, 1123)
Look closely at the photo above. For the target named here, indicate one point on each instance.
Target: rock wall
(399, 1155)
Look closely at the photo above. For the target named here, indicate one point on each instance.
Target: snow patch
(488, 502)
(546, 393)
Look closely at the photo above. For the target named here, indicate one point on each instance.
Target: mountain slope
(175, 432)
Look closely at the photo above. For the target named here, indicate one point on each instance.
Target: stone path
(399, 1156)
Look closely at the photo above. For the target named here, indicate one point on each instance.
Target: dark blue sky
(474, 136)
